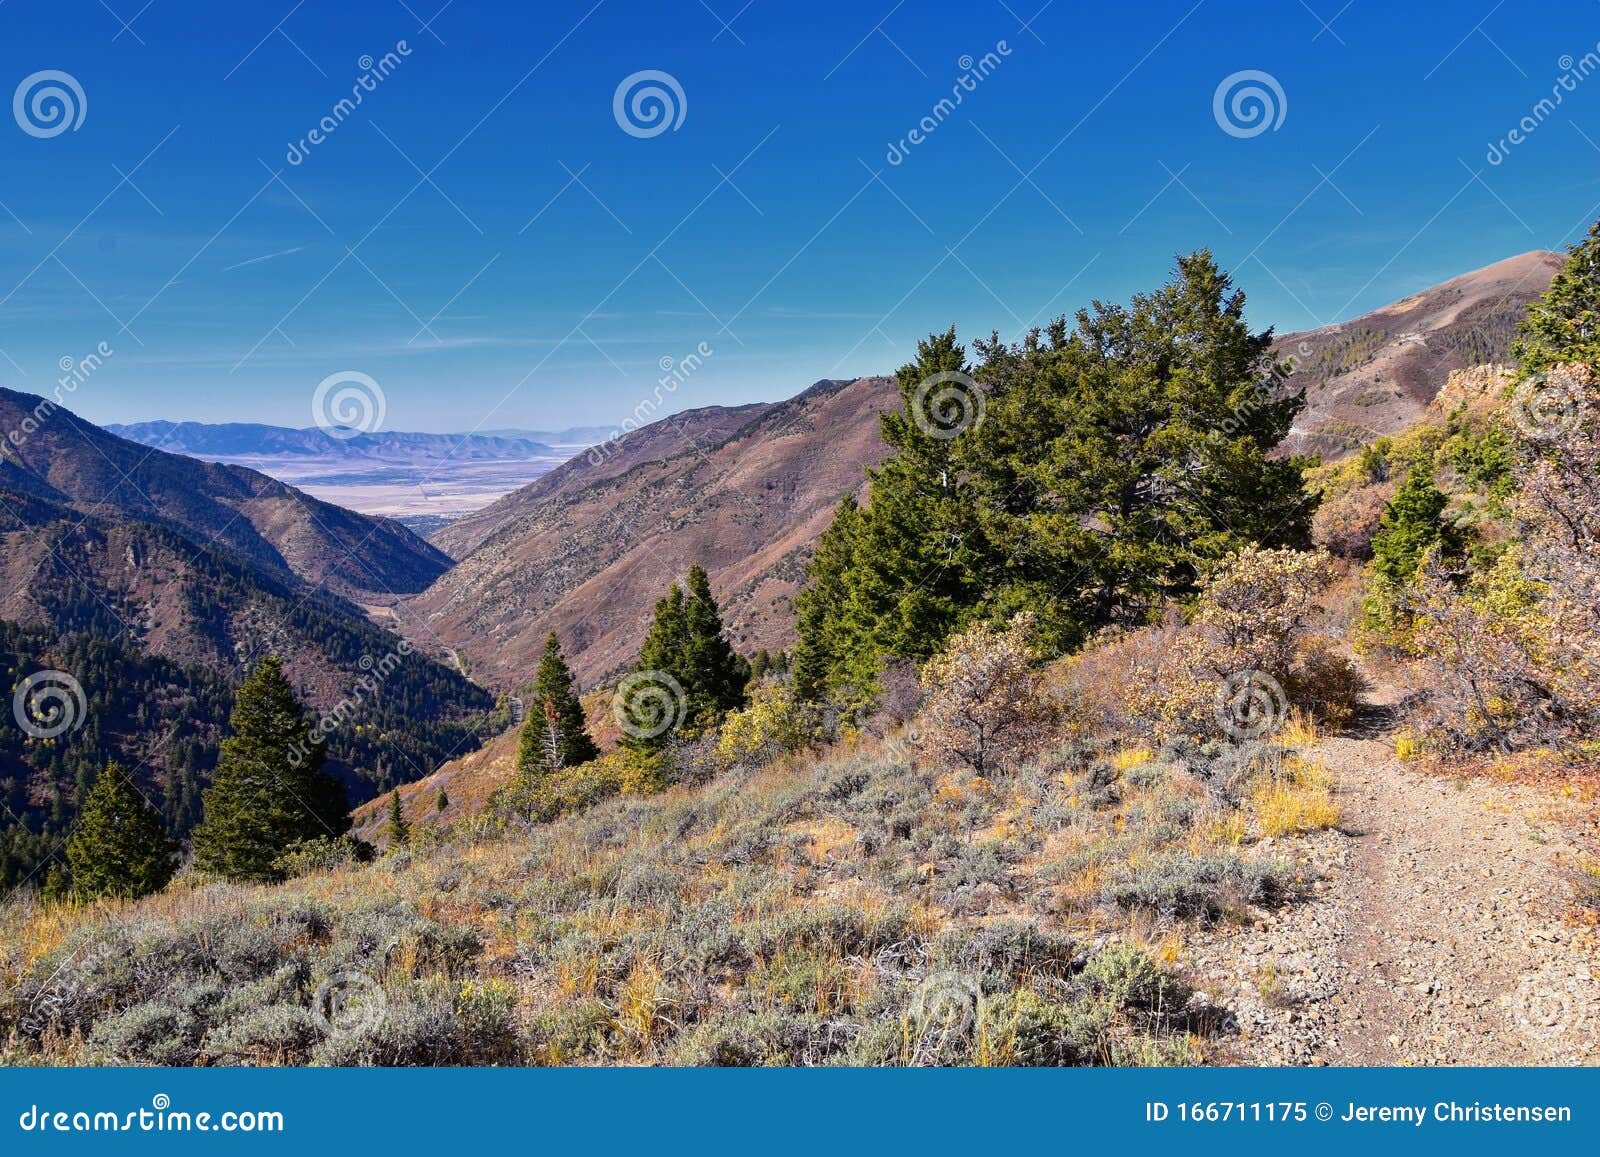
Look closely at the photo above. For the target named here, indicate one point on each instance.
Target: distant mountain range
(278, 530)
(249, 441)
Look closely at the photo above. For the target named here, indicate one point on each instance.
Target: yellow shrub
(776, 722)
(1131, 757)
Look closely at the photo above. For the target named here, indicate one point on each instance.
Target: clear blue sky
(551, 261)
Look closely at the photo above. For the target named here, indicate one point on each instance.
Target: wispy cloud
(263, 257)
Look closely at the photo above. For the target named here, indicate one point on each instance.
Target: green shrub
(279, 1034)
(419, 1027)
(1192, 886)
(1124, 977)
(1022, 1028)
(146, 1034)
(322, 855)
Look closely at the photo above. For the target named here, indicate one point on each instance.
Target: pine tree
(1097, 471)
(718, 673)
(119, 847)
(831, 633)
(686, 644)
(442, 802)
(664, 653)
(530, 745)
(1564, 324)
(558, 714)
(268, 791)
(399, 830)
(1411, 524)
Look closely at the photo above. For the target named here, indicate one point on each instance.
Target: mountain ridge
(276, 526)
(1375, 374)
(255, 440)
(587, 549)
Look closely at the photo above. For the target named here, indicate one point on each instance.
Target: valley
(424, 481)
(1218, 718)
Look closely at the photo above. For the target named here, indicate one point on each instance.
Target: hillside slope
(587, 550)
(1375, 375)
(150, 590)
(150, 582)
(668, 438)
(276, 528)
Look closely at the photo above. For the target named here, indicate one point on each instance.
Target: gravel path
(1440, 933)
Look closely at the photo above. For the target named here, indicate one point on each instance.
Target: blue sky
(483, 238)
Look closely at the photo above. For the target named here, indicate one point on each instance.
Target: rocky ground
(1440, 930)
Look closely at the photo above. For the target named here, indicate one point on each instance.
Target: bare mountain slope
(658, 441)
(586, 550)
(1376, 374)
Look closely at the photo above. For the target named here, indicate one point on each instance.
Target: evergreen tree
(442, 802)
(686, 643)
(898, 577)
(554, 734)
(1096, 473)
(1412, 523)
(832, 639)
(399, 829)
(119, 847)
(269, 790)
(1564, 324)
(718, 673)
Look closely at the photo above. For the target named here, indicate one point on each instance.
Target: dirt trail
(1454, 948)
(1439, 935)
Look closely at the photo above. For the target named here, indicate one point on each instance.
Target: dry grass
(784, 914)
(1297, 800)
